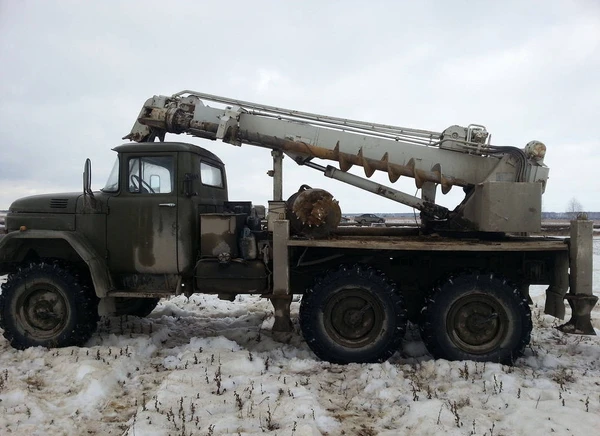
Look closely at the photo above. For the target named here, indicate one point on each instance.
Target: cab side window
(211, 175)
(151, 175)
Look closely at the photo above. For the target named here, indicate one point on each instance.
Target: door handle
(167, 205)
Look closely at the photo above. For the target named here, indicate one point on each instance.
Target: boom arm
(490, 175)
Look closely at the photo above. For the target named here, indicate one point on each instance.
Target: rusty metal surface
(313, 212)
(432, 243)
(347, 160)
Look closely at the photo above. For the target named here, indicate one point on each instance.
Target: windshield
(112, 184)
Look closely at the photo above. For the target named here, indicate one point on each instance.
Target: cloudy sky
(74, 76)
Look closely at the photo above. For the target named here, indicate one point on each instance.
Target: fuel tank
(235, 277)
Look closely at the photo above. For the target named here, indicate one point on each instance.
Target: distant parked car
(368, 219)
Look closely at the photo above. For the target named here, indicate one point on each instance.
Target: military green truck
(164, 225)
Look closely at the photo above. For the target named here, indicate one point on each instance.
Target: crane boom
(503, 185)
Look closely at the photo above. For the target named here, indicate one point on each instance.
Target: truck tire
(140, 307)
(353, 314)
(476, 316)
(46, 304)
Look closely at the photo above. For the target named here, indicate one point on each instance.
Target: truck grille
(59, 203)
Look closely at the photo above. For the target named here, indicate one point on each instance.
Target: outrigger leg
(580, 296)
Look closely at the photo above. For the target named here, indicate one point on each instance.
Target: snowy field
(202, 366)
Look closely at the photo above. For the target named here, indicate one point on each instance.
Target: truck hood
(46, 203)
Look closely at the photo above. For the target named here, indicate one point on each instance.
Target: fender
(101, 278)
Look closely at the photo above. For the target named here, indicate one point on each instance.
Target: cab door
(142, 218)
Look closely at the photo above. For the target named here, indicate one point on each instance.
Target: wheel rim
(42, 311)
(477, 323)
(353, 318)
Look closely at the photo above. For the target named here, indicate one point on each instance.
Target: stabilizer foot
(581, 309)
(283, 321)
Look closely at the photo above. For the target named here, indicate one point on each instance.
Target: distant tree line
(568, 215)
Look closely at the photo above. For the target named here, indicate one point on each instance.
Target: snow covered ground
(202, 366)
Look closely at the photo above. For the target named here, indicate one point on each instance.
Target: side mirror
(87, 177)
(89, 201)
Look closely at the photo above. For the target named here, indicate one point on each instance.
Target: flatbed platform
(433, 243)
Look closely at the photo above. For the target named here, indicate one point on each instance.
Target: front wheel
(46, 304)
(475, 316)
(353, 314)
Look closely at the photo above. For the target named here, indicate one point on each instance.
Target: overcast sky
(75, 74)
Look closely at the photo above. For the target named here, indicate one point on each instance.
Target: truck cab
(136, 237)
(154, 197)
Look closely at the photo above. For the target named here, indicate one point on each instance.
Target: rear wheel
(474, 316)
(46, 304)
(353, 314)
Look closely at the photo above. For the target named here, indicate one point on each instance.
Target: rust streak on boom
(347, 160)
